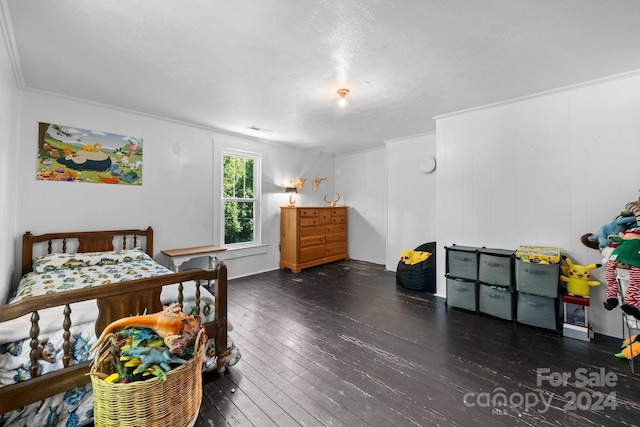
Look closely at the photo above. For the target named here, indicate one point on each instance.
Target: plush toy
(577, 277)
(413, 257)
(602, 240)
(630, 348)
(164, 323)
(630, 340)
(626, 251)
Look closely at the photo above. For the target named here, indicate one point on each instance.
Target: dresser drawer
(304, 212)
(325, 216)
(312, 253)
(312, 231)
(335, 229)
(310, 236)
(338, 248)
(338, 212)
(309, 222)
(311, 241)
(338, 219)
(340, 237)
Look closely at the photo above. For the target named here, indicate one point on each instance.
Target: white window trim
(234, 252)
(257, 198)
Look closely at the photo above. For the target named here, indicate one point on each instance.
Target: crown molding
(9, 39)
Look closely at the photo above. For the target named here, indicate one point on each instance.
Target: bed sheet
(60, 272)
(66, 409)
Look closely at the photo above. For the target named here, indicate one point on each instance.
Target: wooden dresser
(311, 236)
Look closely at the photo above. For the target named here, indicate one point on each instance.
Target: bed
(73, 285)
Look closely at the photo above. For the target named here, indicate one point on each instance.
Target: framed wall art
(67, 153)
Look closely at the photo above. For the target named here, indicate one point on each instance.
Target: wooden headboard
(87, 241)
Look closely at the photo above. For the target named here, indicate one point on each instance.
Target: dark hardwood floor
(343, 345)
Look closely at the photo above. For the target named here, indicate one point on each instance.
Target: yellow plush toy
(413, 257)
(578, 278)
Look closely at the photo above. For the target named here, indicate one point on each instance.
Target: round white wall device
(427, 165)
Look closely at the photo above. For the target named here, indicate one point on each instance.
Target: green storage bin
(462, 294)
(538, 279)
(537, 311)
(462, 262)
(496, 301)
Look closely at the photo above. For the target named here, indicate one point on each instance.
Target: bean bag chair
(422, 275)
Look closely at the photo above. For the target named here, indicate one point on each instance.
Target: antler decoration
(300, 183)
(317, 182)
(334, 203)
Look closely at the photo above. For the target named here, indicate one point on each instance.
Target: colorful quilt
(71, 408)
(60, 272)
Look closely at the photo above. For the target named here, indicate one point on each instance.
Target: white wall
(9, 116)
(361, 182)
(411, 206)
(541, 171)
(179, 196)
(391, 202)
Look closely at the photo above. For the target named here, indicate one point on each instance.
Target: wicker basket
(173, 402)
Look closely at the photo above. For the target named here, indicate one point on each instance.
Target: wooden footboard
(114, 301)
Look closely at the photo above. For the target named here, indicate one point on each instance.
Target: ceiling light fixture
(343, 97)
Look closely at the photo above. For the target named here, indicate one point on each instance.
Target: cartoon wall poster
(67, 153)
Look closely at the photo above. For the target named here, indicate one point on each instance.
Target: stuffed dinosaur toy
(603, 239)
(577, 277)
(413, 257)
(630, 348)
(626, 251)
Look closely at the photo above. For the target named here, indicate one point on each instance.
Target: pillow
(60, 261)
(116, 257)
(51, 262)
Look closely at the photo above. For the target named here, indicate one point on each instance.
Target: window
(241, 198)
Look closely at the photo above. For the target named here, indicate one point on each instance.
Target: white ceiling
(277, 64)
